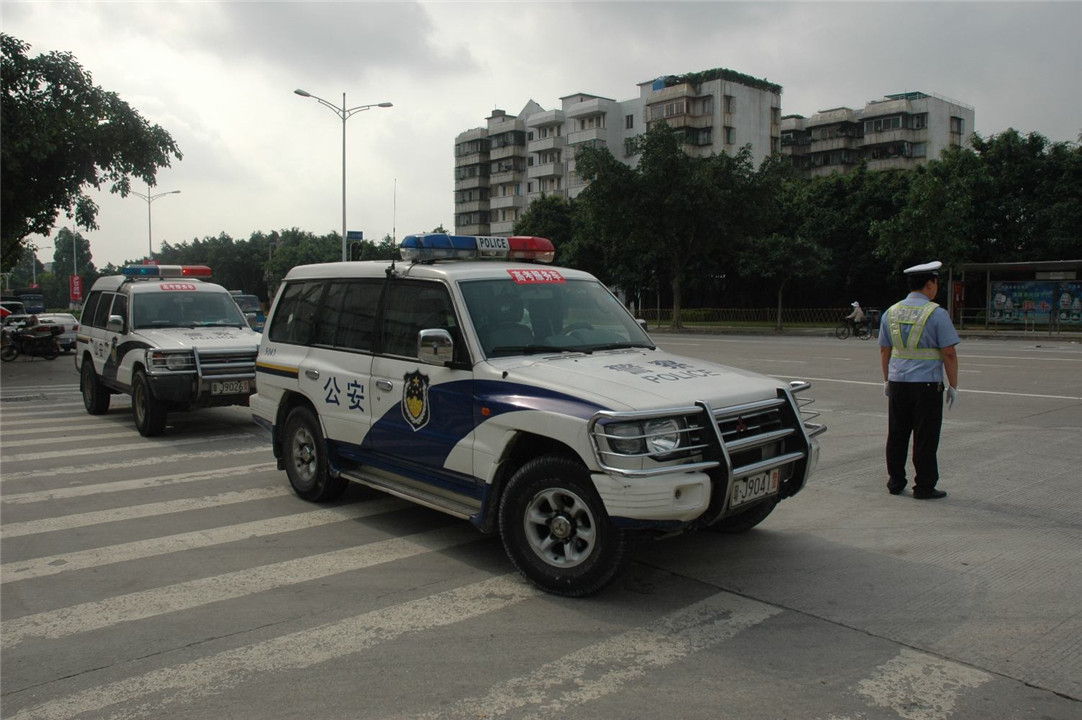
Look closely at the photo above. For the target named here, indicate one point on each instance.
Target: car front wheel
(556, 531)
(148, 411)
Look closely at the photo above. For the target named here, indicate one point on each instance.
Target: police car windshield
(524, 316)
(185, 309)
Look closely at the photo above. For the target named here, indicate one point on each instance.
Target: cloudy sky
(219, 77)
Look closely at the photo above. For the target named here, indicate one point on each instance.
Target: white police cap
(854, 304)
(931, 268)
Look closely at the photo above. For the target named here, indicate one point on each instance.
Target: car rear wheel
(148, 412)
(556, 531)
(306, 458)
(10, 352)
(95, 396)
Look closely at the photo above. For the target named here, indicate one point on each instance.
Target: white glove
(952, 397)
(886, 388)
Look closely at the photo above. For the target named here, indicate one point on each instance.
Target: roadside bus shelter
(1017, 296)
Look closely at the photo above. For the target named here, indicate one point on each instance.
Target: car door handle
(385, 385)
(311, 374)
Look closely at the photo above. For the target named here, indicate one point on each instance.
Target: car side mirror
(435, 347)
(115, 323)
(642, 324)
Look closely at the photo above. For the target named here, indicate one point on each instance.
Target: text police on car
(524, 398)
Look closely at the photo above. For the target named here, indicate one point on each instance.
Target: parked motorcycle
(37, 340)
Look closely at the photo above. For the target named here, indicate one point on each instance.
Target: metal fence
(826, 317)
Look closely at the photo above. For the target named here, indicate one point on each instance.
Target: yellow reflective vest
(916, 316)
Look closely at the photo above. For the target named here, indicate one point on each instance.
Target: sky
(220, 76)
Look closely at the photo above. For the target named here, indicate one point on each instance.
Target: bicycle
(844, 330)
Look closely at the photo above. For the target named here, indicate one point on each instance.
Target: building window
(958, 125)
(730, 135)
(883, 124)
(730, 104)
(629, 122)
(919, 121)
(919, 149)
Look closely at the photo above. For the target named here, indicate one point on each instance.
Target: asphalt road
(178, 577)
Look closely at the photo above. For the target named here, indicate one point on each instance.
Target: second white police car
(524, 398)
(169, 338)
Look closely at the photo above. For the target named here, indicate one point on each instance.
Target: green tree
(60, 134)
(780, 259)
(550, 216)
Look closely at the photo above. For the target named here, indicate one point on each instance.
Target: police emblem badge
(415, 400)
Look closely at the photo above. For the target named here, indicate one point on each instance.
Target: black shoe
(895, 489)
(932, 494)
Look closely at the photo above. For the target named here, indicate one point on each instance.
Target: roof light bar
(444, 246)
(166, 271)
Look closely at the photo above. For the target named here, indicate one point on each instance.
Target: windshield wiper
(623, 346)
(533, 349)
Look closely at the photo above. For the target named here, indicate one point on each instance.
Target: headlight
(653, 437)
(172, 360)
(662, 436)
(632, 431)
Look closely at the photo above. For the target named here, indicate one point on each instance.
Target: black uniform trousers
(915, 409)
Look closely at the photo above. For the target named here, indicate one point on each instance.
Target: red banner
(76, 287)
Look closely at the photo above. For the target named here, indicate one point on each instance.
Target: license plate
(754, 487)
(229, 387)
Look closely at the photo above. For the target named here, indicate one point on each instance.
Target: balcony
(507, 151)
(546, 170)
(471, 206)
(544, 119)
(593, 106)
(586, 136)
(470, 183)
(471, 159)
(504, 177)
(554, 142)
(507, 201)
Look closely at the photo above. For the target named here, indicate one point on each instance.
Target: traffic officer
(917, 347)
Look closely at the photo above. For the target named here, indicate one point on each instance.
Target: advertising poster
(1038, 301)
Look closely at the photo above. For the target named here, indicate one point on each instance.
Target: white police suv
(525, 398)
(169, 338)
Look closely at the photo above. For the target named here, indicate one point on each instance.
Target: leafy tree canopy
(59, 135)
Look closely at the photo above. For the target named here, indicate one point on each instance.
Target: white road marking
(68, 493)
(142, 549)
(157, 446)
(76, 436)
(134, 512)
(170, 459)
(963, 390)
(204, 591)
(917, 686)
(192, 681)
(57, 424)
(556, 688)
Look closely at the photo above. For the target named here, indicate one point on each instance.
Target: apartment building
(897, 131)
(514, 159)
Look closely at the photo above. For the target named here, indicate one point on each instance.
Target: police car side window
(355, 316)
(89, 307)
(101, 312)
(120, 307)
(295, 316)
(410, 308)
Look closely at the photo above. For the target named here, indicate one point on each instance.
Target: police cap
(930, 268)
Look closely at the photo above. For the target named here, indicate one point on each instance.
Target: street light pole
(151, 198)
(345, 114)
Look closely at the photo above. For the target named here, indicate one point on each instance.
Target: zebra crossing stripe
(78, 437)
(134, 512)
(141, 549)
(595, 671)
(918, 686)
(192, 681)
(204, 591)
(145, 446)
(67, 493)
(163, 459)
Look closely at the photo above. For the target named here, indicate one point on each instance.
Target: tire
(148, 412)
(555, 529)
(50, 351)
(842, 331)
(95, 396)
(10, 352)
(306, 458)
(742, 522)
